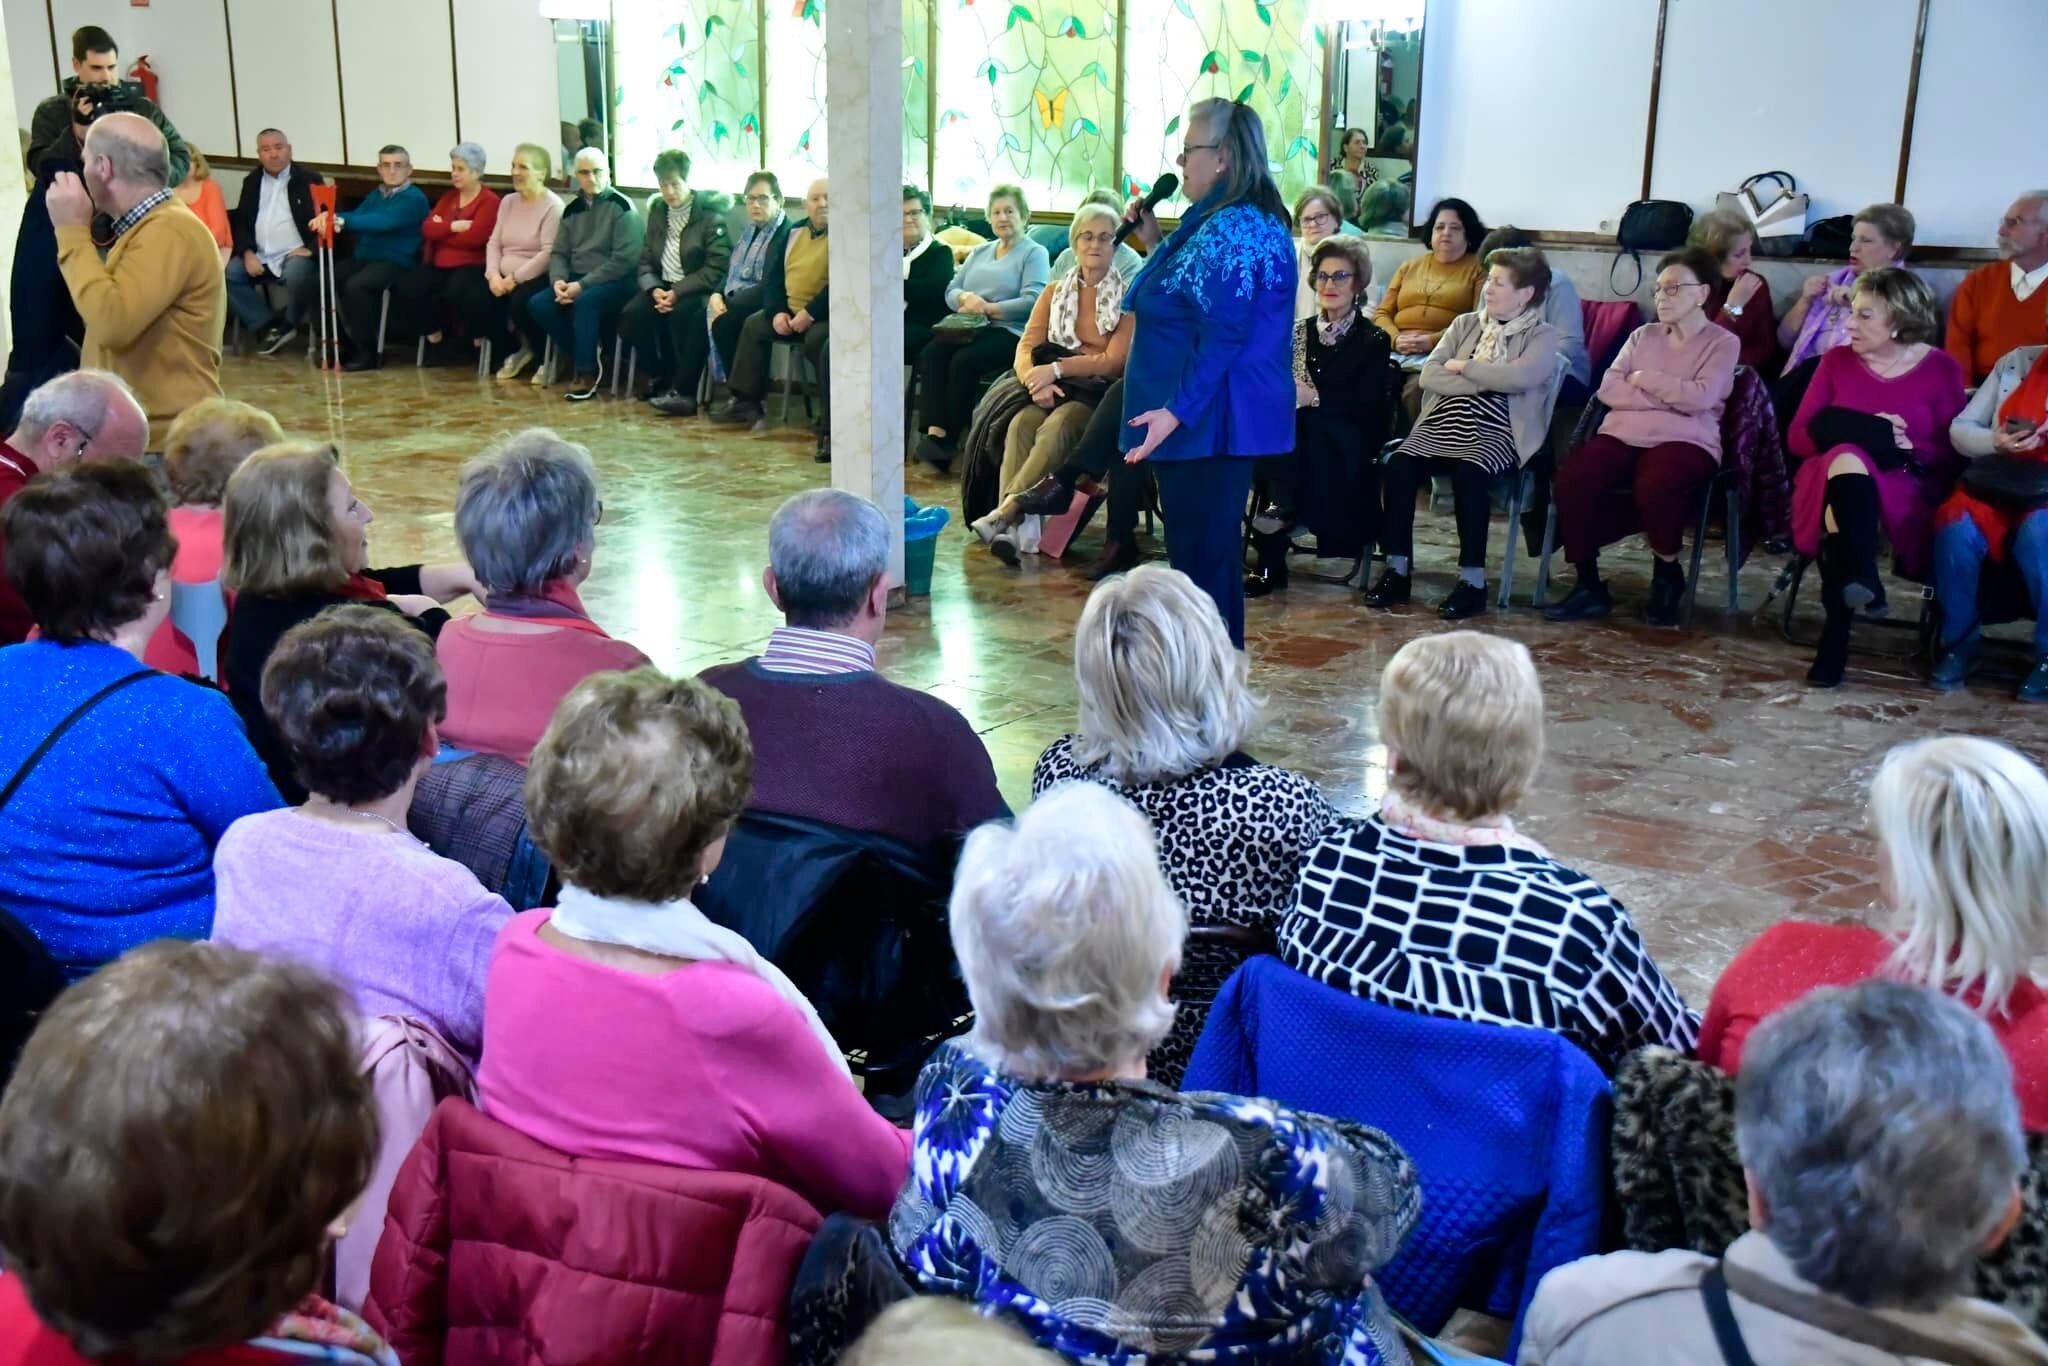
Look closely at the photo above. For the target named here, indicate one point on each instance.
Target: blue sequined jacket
(1215, 336)
(1130, 1225)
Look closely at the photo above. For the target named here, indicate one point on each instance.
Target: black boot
(1588, 600)
(1392, 590)
(1271, 574)
(1854, 500)
(1667, 591)
(1831, 660)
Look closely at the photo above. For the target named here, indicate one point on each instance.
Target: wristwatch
(1732, 310)
(1055, 369)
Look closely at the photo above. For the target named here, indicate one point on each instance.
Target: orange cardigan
(1100, 358)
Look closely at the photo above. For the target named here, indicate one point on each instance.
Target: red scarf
(557, 604)
(2030, 400)
(363, 588)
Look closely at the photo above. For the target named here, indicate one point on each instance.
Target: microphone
(1162, 189)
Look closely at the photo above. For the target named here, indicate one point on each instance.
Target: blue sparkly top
(1214, 341)
(109, 842)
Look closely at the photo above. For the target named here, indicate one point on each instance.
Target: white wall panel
(1816, 88)
(506, 59)
(284, 75)
(396, 80)
(1976, 131)
(28, 56)
(1536, 122)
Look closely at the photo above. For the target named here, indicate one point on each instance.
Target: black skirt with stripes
(1470, 427)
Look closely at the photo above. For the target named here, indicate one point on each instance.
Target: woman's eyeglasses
(1672, 291)
(1333, 277)
(760, 199)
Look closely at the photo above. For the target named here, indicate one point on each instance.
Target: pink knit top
(1681, 389)
(704, 1067)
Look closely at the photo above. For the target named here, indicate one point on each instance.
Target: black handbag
(1830, 237)
(958, 329)
(2007, 480)
(1649, 225)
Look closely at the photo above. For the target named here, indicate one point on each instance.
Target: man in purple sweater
(834, 741)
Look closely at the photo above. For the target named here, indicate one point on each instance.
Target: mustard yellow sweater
(154, 310)
(1424, 296)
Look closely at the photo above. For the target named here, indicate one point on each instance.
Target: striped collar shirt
(136, 214)
(799, 650)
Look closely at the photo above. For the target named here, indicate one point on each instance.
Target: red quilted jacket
(497, 1249)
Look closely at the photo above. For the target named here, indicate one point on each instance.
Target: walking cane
(329, 324)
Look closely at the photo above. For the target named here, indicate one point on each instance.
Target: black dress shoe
(675, 405)
(738, 410)
(1392, 590)
(1583, 603)
(1466, 600)
(365, 361)
(823, 455)
(1666, 592)
(934, 452)
(1046, 498)
(1116, 557)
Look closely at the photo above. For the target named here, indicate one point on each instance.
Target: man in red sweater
(834, 741)
(2003, 306)
(79, 414)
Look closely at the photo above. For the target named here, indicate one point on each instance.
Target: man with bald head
(794, 299)
(155, 308)
(82, 415)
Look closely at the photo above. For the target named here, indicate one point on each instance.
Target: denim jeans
(1959, 554)
(577, 330)
(301, 275)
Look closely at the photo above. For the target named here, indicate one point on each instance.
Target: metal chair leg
(1522, 488)
(383, 320)
(483, 359)
(618, 359)
(1699, 551)
(1734, 552)
(1541, 598)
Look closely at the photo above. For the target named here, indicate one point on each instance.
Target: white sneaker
(989, 527)
(546, 375)
(516, 363)
(1027, 534)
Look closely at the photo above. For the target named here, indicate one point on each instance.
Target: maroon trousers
(1608, 489)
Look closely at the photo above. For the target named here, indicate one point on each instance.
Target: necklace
(1896, 366)
(392, 825)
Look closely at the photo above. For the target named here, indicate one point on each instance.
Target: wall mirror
(1376, 102)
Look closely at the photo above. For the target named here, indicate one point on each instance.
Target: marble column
(864, 132)
(13, 197)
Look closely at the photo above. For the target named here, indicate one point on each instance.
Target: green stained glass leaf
(1252, 57)
(1103, 76)
(739, 68)
(1173, 125)
(1265, 13)
(706, 91)
(677, 124)
(1297, 147)
(719, 132)
(713, 22)
(1017, 12)
(672, 31)
(812, 12)
(1245, 93)
(1286, 84)
(1182, 6)
(1265, 68)
(1211, 63)
(1009, 143)
(917, 65)
(1072, 28)
(1083, 126)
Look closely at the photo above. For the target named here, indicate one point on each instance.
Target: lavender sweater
(406, 931)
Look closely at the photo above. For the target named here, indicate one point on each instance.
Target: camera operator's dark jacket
(51, 138)
(298, 193)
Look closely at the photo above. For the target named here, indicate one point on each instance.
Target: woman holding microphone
(1209, 385)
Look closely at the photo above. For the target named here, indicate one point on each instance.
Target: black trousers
(429, 298)
(1096, 457)
(361, 291)
(1471, 496)
(750, 361)
(523, 325)
(664, 340)
(950, 375)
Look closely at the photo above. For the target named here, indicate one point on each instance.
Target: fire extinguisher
(141, 72)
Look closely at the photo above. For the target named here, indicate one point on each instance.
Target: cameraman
(57, 132)
(46, 328)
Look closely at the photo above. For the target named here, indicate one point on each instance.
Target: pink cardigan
(705, 1067)
(1682, 392)
(504, 686)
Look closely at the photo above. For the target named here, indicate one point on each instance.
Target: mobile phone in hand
(2020, 426)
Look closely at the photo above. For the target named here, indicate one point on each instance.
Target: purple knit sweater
(857, 751)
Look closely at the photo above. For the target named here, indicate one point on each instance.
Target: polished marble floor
(1692, 772)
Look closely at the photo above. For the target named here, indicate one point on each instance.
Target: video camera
(92, 102)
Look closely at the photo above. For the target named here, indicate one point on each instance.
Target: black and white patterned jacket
(1493, 933)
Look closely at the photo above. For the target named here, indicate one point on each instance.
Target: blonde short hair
(1893, 222)
(1909, 301)
(1461, 713)
(1063, 925)
(1963, 826)
(1163, 692)
(201, 168)
(637, 776)
(208, 442)
(932, 1330)
(1718, 230)
(277, 529)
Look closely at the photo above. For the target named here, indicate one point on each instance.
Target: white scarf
(920, 249)
(1494, 335)
(677, 929)
(1062, 323)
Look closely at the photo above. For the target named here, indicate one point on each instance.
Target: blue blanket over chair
(1508, 1128)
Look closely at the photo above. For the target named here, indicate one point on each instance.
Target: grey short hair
(525, 510)
(1063, 924)
(80, 399)
(1879, 1126)
(133, 146)
(1088, 211)
(469, 154)
(1163, 692)
(826, 548)
(591, 156)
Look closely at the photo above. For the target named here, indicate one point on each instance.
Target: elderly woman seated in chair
(206, 444)
(526, 514)
(1438, 905)
(1485, 413)
(2000, 513)
(1882, 1154)
(1165, 714)
(1872, 438)
(1072, 349)
(1110, 1217)
(1340, 416)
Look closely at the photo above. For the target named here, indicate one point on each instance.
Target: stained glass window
(1267, 53)
(917, 132)
(687, 77)
(1027, 94)
(796, 90)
